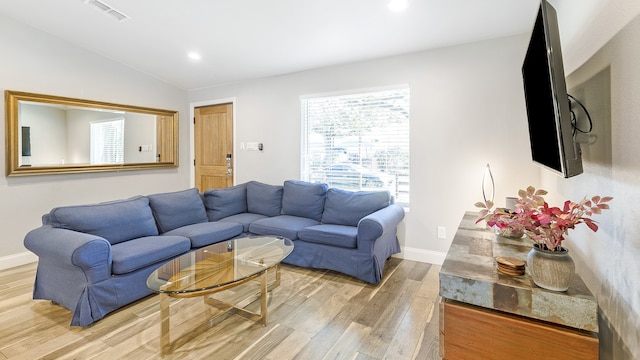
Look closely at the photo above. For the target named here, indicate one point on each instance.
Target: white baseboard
(7, 262)
(426, 256)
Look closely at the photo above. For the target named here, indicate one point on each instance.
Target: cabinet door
(472, 332)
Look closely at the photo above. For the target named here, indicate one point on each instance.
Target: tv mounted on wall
(551, 130)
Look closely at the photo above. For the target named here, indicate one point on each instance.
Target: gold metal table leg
(265, 287)
(165, 341)
(263, 298)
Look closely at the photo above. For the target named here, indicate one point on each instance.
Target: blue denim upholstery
(175, 209)
(222, 203)
(328, 234)
(375, 243)
(245, 219)
(304, 199)
(264, 199)
(348, 207)
(138, 253)
(103, 219)
(283, 225)
(207, 233)
(94, 259)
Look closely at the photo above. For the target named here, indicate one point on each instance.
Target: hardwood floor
(314, 314)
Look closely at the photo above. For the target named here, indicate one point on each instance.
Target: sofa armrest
(375, 225)
(72, 249)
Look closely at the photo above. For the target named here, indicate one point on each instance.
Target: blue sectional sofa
(94, 259)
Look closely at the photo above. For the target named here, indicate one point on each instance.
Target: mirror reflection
(55, 134)
(50, 134)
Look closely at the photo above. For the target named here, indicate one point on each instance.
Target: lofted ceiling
(247, 39)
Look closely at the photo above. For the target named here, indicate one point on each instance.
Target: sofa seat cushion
(245, 219)
(135, 254)
(283, 225)
(176, 209)
(344, 207)
(207, 233)
(222, 203)
(334, 235)
(264, 199)
(116, 221)
(304, 199)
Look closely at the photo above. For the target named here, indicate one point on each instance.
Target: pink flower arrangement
(545, 225)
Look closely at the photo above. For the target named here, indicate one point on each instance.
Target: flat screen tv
(551, 131)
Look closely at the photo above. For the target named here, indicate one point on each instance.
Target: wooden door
(164, 138)
(213, 132)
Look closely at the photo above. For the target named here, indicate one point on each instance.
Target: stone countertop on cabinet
(469, 274)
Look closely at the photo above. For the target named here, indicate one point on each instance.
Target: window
(358, 141)
(107, 142)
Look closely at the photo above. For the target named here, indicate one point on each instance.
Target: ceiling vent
(107, 10)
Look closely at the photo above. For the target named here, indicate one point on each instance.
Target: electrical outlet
(442, 232)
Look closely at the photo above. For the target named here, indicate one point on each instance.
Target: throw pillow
(175, 209)
(221, 203)
(264, 199)
(344, 207)
(304, 199)
(116, 221)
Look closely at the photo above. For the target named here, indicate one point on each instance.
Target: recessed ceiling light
(194, 56)
(397, 5)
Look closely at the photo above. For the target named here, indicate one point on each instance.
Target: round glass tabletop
(219, 264)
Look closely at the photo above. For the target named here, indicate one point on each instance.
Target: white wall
(586, 25)
(139, 130)
(48, 133)
(609, 260)
(33, 61)
(467, 110)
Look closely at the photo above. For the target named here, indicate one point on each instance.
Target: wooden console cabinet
(485, 314)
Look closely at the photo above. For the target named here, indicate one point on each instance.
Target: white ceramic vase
(551, 270)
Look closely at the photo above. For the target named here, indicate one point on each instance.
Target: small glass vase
(551, 270)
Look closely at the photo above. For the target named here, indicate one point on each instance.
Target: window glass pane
(358, 141)
(107, 142)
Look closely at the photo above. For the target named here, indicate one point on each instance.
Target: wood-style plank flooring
(314, 314)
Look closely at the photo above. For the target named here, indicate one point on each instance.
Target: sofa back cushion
(304, 199)
(116, 221)
(348, 207)
(175, 209)
(264, 199)
(221, 203)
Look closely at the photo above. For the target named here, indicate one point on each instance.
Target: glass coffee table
(216, 268)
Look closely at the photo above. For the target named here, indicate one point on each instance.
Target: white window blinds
(107, 142)
(358, 141)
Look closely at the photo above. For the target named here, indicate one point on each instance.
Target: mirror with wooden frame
(54, 135)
